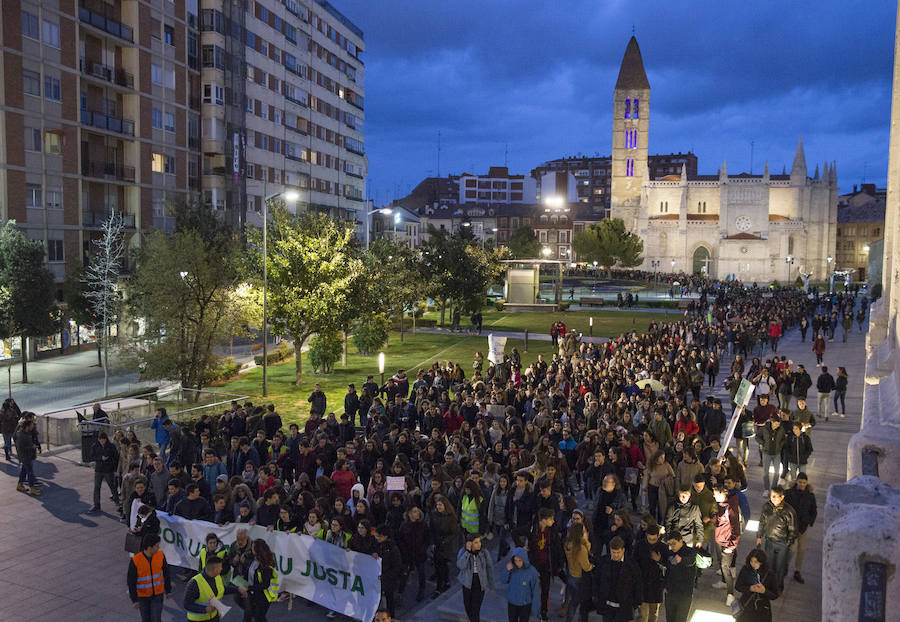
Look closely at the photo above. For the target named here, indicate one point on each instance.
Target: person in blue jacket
(523, 592)
(162, 434)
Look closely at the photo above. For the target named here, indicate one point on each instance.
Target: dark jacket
(797, 449)
(351, 405)
(193, 509)
(555, 554)
(108, 451)
(772, 439)
(825, 383)
(685, 518)
(391, 564)
(521, 512)
(412, 535)
(802, 383)
(778, 523)
(680, 577)
(804, 504)
(9, 418)
(617, 588)
(26, 450)
(652, 571)
(444, 534)
(756, 607)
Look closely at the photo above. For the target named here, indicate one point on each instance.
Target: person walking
(618, 586)
(202, 588)
(772, 435)
(652, 557)
(545, 551)
(9, 419)
(824, 385)
(778, 528)
(819, 347)
(727, 538)
(680, 578)
(523, 587)
(262, 586)
(476, 574)
(149, 581)
(444, 531)
(161, 434)
(26, 450)
(797, 449)
(578, 580)
(758, 588)
(840, 392)
(105, 457)
(801, 497)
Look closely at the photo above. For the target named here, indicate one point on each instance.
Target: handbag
(133, 542)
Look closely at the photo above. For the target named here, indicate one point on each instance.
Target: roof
(743, 236)
(873, 211)
(631, 73)
(482, 211)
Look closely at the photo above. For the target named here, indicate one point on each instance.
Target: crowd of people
(600, 469)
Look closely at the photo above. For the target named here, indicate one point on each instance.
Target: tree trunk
(298, 358)
(414, 321)
(401, 324)
(443, 304)
(99, 352)
(105, 360)
(344, 350)
(24, 349)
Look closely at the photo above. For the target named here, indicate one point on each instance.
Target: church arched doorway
(701, 261)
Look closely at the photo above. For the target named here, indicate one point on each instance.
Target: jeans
(26, 472)
(823, 404)
(678, 607)
(793, 469)
(7, 444)
(545, 578)
(839, 395)
(775, 463)
(784, 401)
(727, 565)
(472, 599)
(162, 453)
(518, 613)
(151, 608)
(502, 543)
(573, 596)
(777, 552)
(109, 478)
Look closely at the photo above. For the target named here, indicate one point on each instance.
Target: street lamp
(397, 219)
(866, 248)
(381, 366)
(789, 261)
(546, 251)
(290, 196)
(554, 201)
(381, 210)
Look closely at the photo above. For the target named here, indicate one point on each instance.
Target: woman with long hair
(758, 587)
(659, 484)
(840, 391)
(262, 584)
(444, 532)
(578, 587)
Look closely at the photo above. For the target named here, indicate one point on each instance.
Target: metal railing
(106, 24)
(108, 169)
(107, 122)
(106, 73)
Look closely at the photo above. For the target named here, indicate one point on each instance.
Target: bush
(419, 310)
(284, 351)
(371, 333)
(324, 351)
(564, 306)
(499, 305)
(227, 369)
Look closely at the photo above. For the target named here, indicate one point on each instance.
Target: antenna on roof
(506, 156)
(751, 157)
(632, 29)
(439, 154)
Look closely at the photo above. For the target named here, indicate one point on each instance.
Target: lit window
(627, 107)
(158, 163)
(30, 26)
(51, 34)
(52, 143)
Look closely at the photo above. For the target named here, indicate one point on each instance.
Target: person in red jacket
(452, 420)
(728, 535)
(686, 424)
(774, 335)
(343, 479)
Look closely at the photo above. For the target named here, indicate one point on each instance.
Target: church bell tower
(631, 123)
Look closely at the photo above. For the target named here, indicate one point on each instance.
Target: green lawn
(606, 323)
(420, 350)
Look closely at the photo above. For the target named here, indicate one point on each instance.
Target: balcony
(104, 24)
(194, 143)
(107, 122)
(111, 75)
(108, 170)
(95, 219)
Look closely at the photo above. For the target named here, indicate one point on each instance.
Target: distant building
(401, 225)
(431, 190)
(498, 186)
(753, 227)
(860, 221)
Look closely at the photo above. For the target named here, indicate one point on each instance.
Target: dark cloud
(531, 81)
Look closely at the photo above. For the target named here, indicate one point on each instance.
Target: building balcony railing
(107, 74)
(108, 170)
(107, 25)
(296, 129)
(95, 219)
(107, 122)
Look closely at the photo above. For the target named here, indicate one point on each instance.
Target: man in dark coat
(545, 553)
(618, 584)
(801, 498)
(105, 457)
(684, 518)
(681, 578)
(652, 557)
(391, 566)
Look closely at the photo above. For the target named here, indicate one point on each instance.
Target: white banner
(343, 581)
(741, 399)
(496, 348)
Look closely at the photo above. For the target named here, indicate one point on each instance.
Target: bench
(591, 301)
(683, 304)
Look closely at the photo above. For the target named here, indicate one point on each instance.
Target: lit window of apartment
(52, 143)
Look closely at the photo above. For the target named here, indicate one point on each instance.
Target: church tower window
(627, 107)
(629, 167)
(637, 111)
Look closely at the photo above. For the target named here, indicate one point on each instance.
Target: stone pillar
(863, 521)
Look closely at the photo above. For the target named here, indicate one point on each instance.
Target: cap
(222, 478)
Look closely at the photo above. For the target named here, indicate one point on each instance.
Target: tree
(392, 279)
(185, 288)
(313, 274)
(78, 307)
(609, 244)
(102, 279)
(523, 244)
(324, 351)
(30, 310)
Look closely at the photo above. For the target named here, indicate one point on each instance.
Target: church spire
(683, 172)
(631, 73)
(723, 172)
(799, 167)
(766, 171)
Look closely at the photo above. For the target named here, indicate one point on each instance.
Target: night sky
(536, 78)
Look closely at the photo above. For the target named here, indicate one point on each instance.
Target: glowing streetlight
(381, 366)
(554, 201)
(387, 211)
(546, 251)
(866, 248)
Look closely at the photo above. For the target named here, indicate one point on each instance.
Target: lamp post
(381, 210)
(591, 324)
(289, 195)
(381, 366)
(789, 261)
(397, 218)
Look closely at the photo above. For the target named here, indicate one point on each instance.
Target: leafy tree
(313, 274)
(102, 279)
(324, 351)
(30, 308)
(609, 244)
(393, 279)
(523, 244)
(371, 333)
(185, 287)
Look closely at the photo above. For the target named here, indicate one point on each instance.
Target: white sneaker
(720, 585)
(729, 599)
(842, 415)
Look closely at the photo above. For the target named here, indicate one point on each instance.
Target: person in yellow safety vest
(470, 507)
(215, 547)
(202, 589)
(148, 579)
(263, 588)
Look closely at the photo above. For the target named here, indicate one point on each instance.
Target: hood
(522, 554)
(303, 478)
(359, 487)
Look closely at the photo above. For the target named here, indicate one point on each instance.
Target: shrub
(419, 309)
(286, 350)
(227, 369)
(564, 306)
(325, 351)
(499, 305)
(370, 334)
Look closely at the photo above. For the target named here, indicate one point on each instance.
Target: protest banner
(741, 399)
(496, 348)
(343, 581)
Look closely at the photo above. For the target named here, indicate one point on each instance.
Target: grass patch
(420, 350)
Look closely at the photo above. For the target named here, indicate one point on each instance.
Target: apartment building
(860, 224)
(282, 107)
(498, 186)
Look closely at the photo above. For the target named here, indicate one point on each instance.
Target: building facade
(860, 224)
(750, 227)
(498, 186)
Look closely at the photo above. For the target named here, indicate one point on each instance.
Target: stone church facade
(750, 227)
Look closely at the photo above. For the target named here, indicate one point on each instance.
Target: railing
(107, 122)
(108, 169)
(105, 24)
(95, 219)
(106, 73)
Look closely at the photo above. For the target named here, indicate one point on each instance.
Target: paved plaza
(61, 563)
